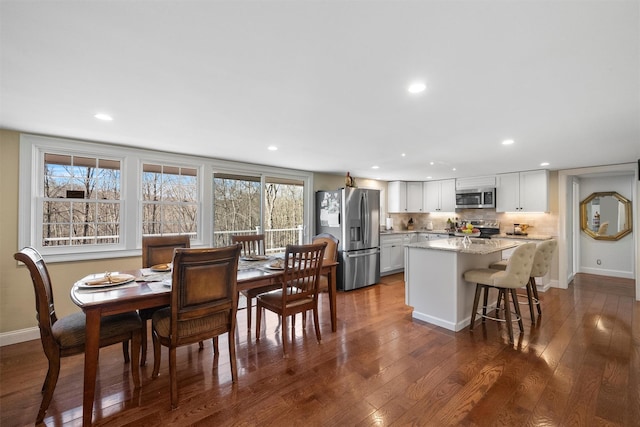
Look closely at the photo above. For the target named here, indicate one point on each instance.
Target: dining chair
(204, 302)
(157, 250)
(299, 290)
(330, 254)
(252, 244)
(65, 336)
(516, 275)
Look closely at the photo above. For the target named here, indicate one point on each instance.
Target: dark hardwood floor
(579, 366)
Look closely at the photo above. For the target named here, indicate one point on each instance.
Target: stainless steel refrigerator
(353, 216)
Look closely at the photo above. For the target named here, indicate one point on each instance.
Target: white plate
(271, 267)
(99, 281)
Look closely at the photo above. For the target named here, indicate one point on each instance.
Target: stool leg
(485, 302)
(516, 307)
(498, 303)
(530, 299)
(475, 306)
(534, 288)
(507, 316)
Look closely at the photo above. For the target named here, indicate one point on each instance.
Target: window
(81, 200)
(283, 213)
(236, 202)
(169, 200)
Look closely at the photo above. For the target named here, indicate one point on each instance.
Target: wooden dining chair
(204, 301)
(252, 244)
(157, 250)
(66, 336)
(299, 290)
(330, 254)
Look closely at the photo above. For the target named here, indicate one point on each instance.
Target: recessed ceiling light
(103, 116)
(428, 177)
(403, 154)
(544, 164)
(431, 163)
(272, 148)
(453, 169)
(507, 142)
(416, 87)
(375, 167)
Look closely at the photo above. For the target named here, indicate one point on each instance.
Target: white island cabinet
(434, 278)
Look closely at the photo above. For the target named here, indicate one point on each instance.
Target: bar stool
(541, 265)
(515, 276)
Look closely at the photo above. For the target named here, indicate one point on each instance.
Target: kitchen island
(434, 277)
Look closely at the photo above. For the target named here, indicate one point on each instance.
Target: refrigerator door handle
(361, 255)
(364, 214)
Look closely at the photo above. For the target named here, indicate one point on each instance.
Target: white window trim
(33, 146)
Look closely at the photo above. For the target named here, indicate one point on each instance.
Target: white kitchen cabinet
(404, 197)
(397, 197)
(476, 182)
(392, 252)
(439, 196)
(523, 191)
(414, 196)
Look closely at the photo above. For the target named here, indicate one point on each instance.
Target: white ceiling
(325, 81)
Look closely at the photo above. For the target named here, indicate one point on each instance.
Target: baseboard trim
(21, 335)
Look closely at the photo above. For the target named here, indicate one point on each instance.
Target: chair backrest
(302, 265)
(542, 258)
(204, 284)
(331, 251)
(518, 268)
(159, 249)
(252, 244)
(45, 310)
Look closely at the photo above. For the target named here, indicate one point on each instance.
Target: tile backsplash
(539, 223)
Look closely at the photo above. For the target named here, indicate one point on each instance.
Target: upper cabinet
(439, 196)
(476, 182)
(404, 197)
(397, 197)
(523, 191)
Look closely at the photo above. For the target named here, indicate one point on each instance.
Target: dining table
(152, 289)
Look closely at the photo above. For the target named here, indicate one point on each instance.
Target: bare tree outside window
(169, 200)
(236, 206)
(284, 213)
(81, 203)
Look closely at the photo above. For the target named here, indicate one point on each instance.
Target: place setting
(105, 281)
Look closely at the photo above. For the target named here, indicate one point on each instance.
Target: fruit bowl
(462, 234)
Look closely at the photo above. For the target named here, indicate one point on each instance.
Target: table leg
(91, 353)
(332, 297)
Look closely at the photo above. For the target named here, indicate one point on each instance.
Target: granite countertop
(523, 237)
(382, 232)
(477, 246)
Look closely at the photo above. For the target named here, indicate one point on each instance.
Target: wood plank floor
(579, 366)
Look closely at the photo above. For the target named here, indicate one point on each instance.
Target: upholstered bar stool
(516, 275)
(541, 264)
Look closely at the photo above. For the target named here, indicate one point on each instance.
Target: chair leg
(125, 351)
(534, 288)
(200, 345)
(249, 313)
(516, 307)
(258, 318)
(530, 300)
(476, 299)
(215, 346)
(144, 337)
(316, 322)
(284, 335)
(136, 337)
(49, 386)
(156, 355)
(173, 377)
(232, 356)
(507, 316)
(485, 303)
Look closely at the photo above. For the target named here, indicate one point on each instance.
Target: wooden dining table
(146, 292)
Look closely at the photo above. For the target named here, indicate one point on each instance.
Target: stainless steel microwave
(480, 198)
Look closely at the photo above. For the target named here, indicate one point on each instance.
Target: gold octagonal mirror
(605, 216)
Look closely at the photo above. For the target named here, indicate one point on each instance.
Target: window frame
(31, 171)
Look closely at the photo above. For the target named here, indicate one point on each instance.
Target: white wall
(616, 257)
